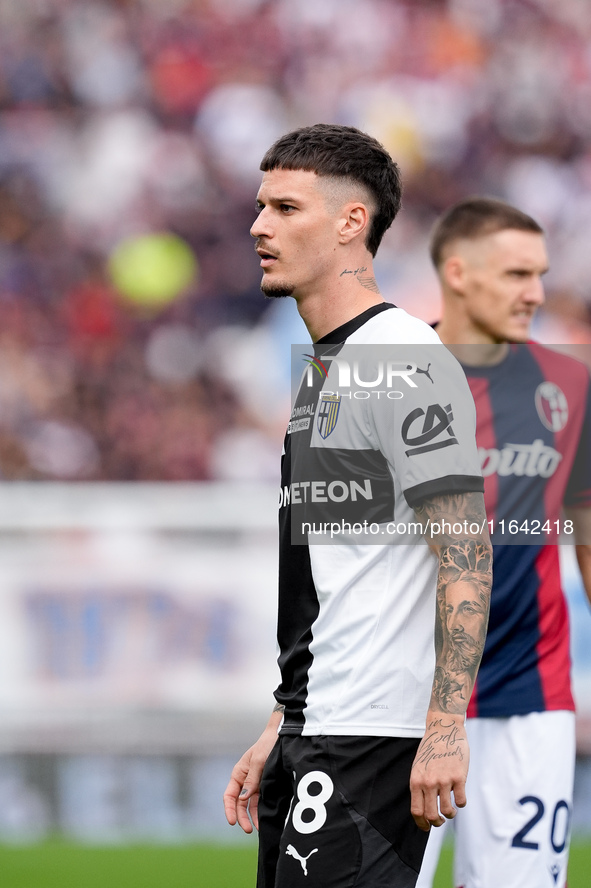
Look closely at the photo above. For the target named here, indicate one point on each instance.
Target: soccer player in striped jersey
(366, 746)
(534, 434)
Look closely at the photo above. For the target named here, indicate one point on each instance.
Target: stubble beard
(276, 291)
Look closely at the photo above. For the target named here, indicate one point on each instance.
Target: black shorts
(334, 812)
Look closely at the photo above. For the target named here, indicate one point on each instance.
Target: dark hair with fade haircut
(476, 217)
(344, 152)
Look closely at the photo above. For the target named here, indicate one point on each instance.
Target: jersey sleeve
(428, 434)
(578, 490)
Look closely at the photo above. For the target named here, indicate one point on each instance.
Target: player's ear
(453, 272)
(353, 220)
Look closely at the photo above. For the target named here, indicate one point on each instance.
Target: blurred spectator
(125, 117)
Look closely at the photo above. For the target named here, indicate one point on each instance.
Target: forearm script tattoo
(463, 596)
(442, 740)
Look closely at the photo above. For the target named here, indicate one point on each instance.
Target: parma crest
(328, 414)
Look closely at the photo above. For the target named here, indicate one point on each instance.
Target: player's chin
(517, 340)
(276, 289)
(518, 333)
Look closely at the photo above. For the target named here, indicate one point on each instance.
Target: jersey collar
(345, 330)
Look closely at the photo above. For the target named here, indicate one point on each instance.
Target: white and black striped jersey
(383, 418)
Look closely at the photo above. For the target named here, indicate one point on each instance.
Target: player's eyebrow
(528, 269)
(285, 200)
(278, 200)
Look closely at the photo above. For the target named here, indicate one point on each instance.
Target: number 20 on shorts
(558, 836)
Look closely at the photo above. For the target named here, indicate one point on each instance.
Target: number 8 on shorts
(314, 803)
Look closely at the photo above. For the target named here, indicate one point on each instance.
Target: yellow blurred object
(153, 269)
(392, 120)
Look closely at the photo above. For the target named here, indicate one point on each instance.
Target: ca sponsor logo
(433, 433)
(535, 460)
(552, 406)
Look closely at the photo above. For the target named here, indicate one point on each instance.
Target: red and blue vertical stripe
(526, 662)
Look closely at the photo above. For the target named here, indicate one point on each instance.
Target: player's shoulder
(394, 326)
(551, 359)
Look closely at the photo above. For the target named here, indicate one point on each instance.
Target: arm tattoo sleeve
(463, 596)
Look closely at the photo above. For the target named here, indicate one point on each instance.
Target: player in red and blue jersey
(534, 436)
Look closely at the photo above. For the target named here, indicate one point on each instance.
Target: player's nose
(535, 293)
(261, 227)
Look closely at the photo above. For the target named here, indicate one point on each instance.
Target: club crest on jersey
(552, 406)
(328, 413)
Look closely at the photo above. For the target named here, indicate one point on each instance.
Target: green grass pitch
(66, 865)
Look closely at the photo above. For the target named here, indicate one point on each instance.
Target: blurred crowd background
(135, 345)
(126, 118)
